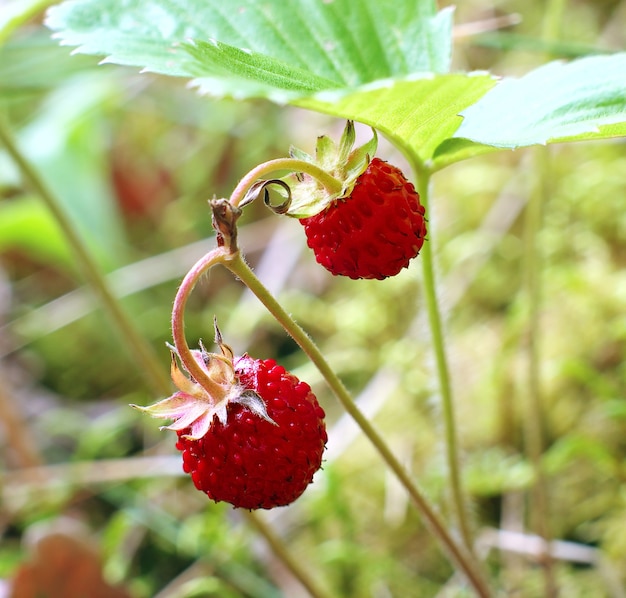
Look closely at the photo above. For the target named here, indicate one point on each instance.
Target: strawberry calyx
(196, 405)
(340, 160)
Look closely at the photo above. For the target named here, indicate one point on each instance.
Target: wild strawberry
(255, 462)
(372, 233)
(254, 439)
(373, 227)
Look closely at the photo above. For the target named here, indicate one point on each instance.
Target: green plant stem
(459, 555)
(539, 508)
(533, 413)
(235, 263)
(332, 184)
(141, 351)
(443, 373)
(286, 555)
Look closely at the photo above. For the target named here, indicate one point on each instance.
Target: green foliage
(583, 99)
(358, 61)
(416, 115)
(92, 131)
(276, 49)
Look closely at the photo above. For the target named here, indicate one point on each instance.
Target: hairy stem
(443, 373)
(263, 170)
(458, 554)
(219, 255)
(142, 352)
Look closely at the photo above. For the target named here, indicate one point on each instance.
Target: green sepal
(341, 160)
(298, 154)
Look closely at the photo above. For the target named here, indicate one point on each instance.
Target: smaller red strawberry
(255, 439)
(372, 233)
(374, 227)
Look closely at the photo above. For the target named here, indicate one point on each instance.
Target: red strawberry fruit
(372, 233)
(374, 227)
(254, 439)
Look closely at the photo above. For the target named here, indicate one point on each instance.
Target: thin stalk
(458, 554)
(332, 184)
(443, 372)
(534, 420)
(142, 352)
(219, 255)
(286, 555)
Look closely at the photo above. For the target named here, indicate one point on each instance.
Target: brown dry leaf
(63, 566)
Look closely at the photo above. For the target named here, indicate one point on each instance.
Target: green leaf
(416, 115)
(259, 74)
(292, 47)
(583, 99)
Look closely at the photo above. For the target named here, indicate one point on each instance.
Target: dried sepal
(171, 408)
(252, 401)
(196, 405)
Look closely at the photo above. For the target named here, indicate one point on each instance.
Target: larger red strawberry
(374, 226)
(255, 439)
(255, 462)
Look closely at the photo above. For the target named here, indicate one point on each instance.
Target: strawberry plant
(252, 434)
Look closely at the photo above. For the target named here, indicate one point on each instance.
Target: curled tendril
(261, 187)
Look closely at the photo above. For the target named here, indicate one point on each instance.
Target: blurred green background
(133, 158)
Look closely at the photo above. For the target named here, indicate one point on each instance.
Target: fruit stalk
(534, 418)
(283, 164)
(219, 255)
